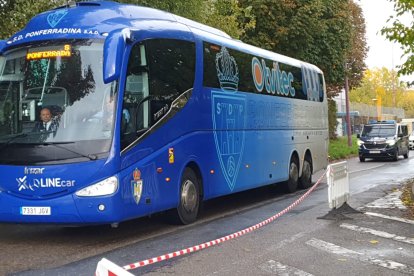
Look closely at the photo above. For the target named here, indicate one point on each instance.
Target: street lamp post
(375, 109)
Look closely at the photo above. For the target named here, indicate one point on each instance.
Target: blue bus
(111, 112)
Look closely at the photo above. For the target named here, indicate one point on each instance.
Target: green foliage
(403, 33)
(187, 8)
(355, 64)
(380, 83)
(15, 14)
(225, 15)
(221, 14)
(323, 32)
(332, 118)
(339, 149)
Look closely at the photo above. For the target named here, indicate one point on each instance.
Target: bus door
(160, 78)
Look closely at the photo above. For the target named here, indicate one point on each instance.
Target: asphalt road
(298, 243)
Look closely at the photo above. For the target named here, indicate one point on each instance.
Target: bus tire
(292, 183)
(189, 201)
(305, 180)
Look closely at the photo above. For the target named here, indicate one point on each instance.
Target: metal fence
(370, 111)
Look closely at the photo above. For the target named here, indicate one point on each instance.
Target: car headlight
(391, 142)
(105, 187)
(360, 143)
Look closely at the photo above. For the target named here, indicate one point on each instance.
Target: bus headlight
(391, 142)
(360, 143)
(104, 187)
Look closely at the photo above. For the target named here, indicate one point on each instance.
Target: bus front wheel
(189, 201)
(292, 183)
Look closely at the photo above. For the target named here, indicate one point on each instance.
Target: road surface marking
(389, 217)
(277, 268)
(335, 249)
(389, 201)
(377, 233)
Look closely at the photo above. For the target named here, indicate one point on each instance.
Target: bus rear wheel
(292, 183)
(189, 201)
(306, 178)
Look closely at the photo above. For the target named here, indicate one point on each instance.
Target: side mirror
(113, 51)
(358, 135)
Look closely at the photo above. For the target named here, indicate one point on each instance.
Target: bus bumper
(62, 210)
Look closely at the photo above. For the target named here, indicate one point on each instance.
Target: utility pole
(348, 117)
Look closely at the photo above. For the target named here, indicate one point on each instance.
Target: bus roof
(94, 19)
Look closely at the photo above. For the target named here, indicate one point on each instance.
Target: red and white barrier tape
(223, 239)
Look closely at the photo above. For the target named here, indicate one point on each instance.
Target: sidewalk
(354, 166)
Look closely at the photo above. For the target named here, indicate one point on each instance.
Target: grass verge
(339, 149)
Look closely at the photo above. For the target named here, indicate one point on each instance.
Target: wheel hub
(189, 196)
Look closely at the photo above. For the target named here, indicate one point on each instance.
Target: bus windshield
(54, 105)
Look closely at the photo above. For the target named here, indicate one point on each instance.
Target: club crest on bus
(136, 185)
(228, 124)
(227, 71)
(54, 18)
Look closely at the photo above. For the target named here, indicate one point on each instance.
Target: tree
(357, 52)
(226, 15)
(191, 9)
(402, 33)
(221, 14)
(319, 32)
(380, 83)
(327, 33)
(16, 13)
(408, 104)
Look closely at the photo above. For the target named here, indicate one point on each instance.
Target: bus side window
(171, 65)
(159, 71)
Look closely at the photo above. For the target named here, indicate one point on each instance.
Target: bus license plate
(374, 151)
(35, 211)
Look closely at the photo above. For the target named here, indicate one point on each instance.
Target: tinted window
(285, 80)
(159, 71)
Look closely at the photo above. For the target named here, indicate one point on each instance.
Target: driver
(47, 123)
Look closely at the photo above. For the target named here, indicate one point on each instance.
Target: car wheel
(395, 158)
(362, 159)
(406, 155)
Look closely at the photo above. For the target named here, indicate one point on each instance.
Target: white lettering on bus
(33, 170)
(53, 183)
(229, 108)
(54, 31)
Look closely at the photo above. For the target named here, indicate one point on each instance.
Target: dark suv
(383, 139)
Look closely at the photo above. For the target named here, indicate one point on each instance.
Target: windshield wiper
(21, 135)
(91, 157)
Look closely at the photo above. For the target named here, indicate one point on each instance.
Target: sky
(381, 53)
